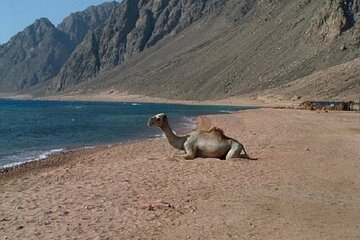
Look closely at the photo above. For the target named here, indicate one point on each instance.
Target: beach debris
(4, 219)
(296, 98)
(186, 208)
(19, 227)
(330, 105)
(89, 207)
(64, 213)
(190, 208)
(157, 205)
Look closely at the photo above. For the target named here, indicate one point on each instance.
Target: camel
(212, 143)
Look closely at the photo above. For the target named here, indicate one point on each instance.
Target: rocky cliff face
(135, 25)
(37, 54)
(336, 17)
(33, 56)
(78, 24)
(207, 49)
(228, 48)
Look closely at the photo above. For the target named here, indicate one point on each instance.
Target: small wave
(47, 153)
(135, 104)
(189, 123)
(10, 165)
(159, 136)
(89, 147)
(27, 157)
(226, 111)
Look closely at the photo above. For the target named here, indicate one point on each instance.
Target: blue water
(31, 130)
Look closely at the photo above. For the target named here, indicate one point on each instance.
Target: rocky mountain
(214, 49)
(78, 24)
(37, 54)
(133, 27)
(211, 49)
(33, 55)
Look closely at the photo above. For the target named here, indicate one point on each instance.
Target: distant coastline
(115, 96)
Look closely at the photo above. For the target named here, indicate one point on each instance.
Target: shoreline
(125, 97)
(44, 155)
(58, 159)
(306, 178)
(51, 159)
(55, 159)
(41, 155)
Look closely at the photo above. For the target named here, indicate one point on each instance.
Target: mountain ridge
(36, 54)
(213, 49)
(29, 57)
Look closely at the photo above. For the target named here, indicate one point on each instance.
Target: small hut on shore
(328, 105)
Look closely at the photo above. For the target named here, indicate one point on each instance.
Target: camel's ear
(162, 115)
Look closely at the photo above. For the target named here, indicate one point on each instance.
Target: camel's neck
(175, 141)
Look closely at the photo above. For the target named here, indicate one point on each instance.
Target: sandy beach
(304, 185)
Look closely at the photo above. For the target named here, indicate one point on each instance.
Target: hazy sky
(15, 15)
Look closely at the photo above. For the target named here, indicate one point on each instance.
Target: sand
(305, 185)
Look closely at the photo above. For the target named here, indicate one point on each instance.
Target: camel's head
(158, 120)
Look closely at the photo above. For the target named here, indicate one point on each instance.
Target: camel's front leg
(178, 152)
(188, 155)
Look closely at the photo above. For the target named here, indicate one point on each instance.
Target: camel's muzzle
(150, 122)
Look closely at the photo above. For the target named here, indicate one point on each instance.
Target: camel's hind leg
(235, 151)
(245, 154)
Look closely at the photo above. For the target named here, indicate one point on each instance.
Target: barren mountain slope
(240, 49)
(33, 56)
(203, 49)
(36, 54)
(134, 26)
(340, 82)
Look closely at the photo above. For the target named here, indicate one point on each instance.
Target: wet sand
(305, 185)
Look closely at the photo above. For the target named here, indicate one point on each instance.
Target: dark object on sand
(338, 106)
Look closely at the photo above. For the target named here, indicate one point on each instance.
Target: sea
(33, 129)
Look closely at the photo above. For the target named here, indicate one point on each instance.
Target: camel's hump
(215, 130)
